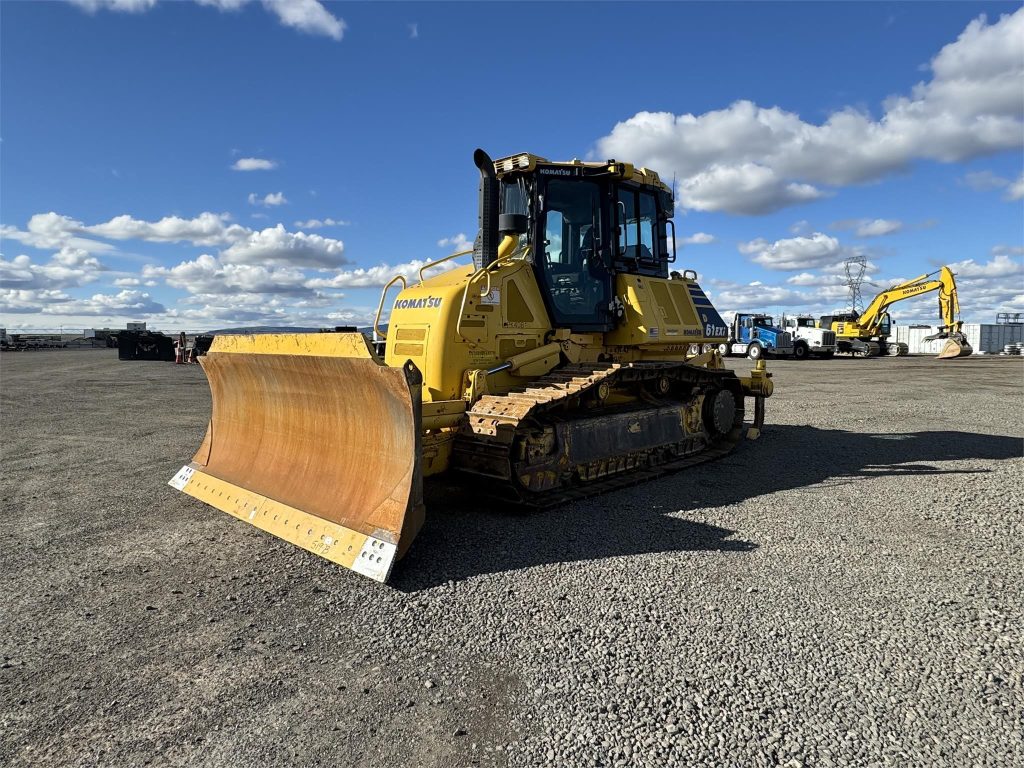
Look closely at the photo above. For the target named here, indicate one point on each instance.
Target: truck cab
(808, 338)
(755, 336)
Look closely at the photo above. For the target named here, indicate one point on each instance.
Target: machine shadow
(465, 536)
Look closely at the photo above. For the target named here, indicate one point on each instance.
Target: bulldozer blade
(313, 439)
(955, 348)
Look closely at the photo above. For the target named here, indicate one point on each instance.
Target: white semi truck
(819, 341)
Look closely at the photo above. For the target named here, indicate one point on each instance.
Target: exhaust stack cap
(513, 223)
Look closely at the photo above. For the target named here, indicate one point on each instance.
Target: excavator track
(505, 437)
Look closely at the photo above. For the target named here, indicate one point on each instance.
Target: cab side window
(640, 243)
(627, 222)
(648, 221)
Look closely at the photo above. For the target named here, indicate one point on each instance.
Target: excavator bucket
(955, 347)
(313, 439)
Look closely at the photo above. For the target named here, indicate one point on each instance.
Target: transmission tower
(855, 268)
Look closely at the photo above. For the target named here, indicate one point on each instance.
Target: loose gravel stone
(844, 591)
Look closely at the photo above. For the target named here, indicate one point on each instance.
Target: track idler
(719, 411)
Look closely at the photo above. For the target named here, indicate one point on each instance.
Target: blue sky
(798, 134)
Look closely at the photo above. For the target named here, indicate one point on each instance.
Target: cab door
(575, 278)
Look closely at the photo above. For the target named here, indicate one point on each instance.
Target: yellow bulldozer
(867, 334)
(565, 360)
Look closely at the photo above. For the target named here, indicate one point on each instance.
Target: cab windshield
(804, 322)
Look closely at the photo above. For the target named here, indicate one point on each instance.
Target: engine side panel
(660, 312)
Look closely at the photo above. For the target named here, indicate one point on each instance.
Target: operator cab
(840, 317)
(585, 223)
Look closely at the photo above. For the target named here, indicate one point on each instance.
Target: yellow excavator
(566, 360)
(867, 334)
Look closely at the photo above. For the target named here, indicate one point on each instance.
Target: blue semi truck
(757, 335)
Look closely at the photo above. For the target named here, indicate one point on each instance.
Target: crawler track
(555, 441)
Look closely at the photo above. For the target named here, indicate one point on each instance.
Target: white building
(983, 337)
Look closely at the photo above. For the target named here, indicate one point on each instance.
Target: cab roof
(527, 163)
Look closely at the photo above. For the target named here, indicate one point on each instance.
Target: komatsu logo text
(427, 302)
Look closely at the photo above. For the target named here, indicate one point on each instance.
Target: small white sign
(180, 480)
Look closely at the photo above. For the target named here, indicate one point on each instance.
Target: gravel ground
(845, 591)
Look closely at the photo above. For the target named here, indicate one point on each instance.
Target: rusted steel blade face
(313, 423)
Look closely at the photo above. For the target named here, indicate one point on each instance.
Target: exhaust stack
(485, 252)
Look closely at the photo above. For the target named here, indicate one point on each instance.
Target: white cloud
(735, 297)
(275, 245)
(456, 243)
(414, 31)
(224, 5)
(269, 200)
(878, 227)
(304, 15)
(1016, 189)
(808, 279)
(870, 227)
(699, 238)
(321, 223)
(17, 301)
(253, 164)
(376, 276)
(307, 16)
(986, 181)
(52, 231)
(747, 188)
(1008, 250)
(68, 268)
(1001, 266)
(208, 275)
(358, 316)
(817, 250)
(772, 158)
(127, 282)
(126, 303)
(204, 229)
(124, 6)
